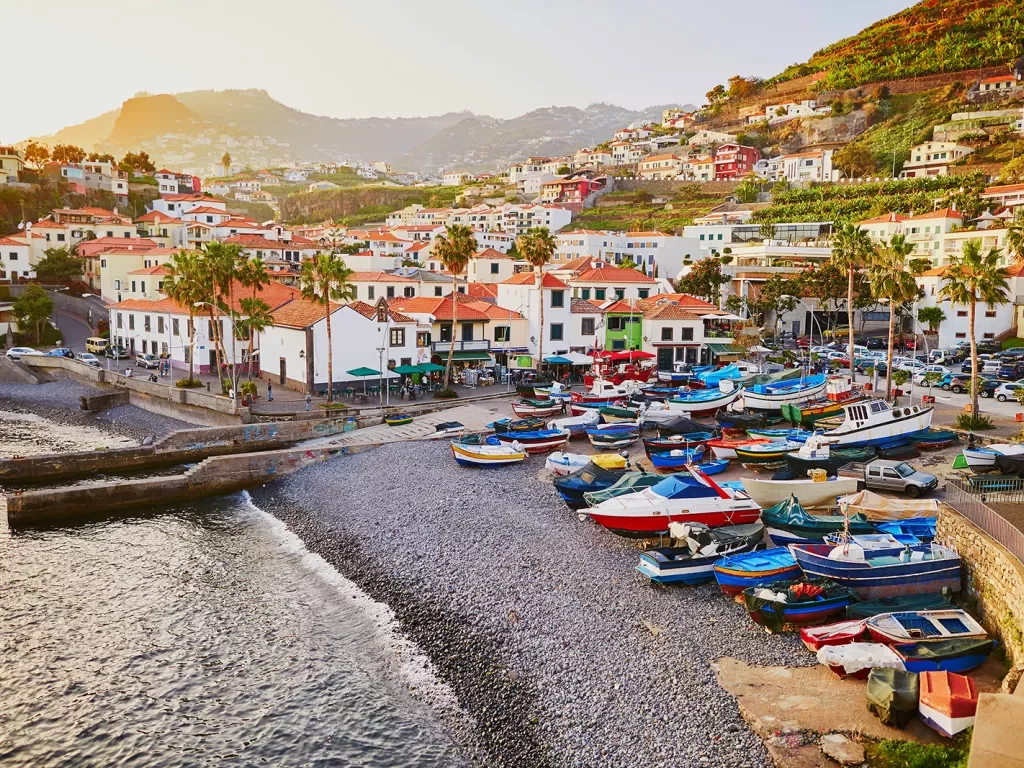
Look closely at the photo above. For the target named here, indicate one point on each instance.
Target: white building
(705, 138)
(660, 254)
(780, 113)
(809, 166)
(520, 294)
(455, 178)
(933, 158)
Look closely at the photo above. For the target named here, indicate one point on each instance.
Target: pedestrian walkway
(475, 418)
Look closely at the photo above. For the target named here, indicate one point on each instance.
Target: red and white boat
(840, 633)
(948, 702)
(605, 392)
(676, 499)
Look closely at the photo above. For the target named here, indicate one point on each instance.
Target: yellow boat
(609, 460)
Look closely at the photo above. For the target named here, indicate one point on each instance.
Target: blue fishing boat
(591, 478)
(614, 428)
(714, 377)
(675, 461)
(921, 528)
(771, 397)
(714, 467)
(699, 547)
(957, 655)
(688, 440)
(936, 439)
(793, 435)
(736, 573)
(872, 574)
(537, 441)
(800, 602)
(705, 401)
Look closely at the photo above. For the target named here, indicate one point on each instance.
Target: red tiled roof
(379, 277)
(942, 213)
(1001, 190)
(669, 312)
(159, 269)
(300, 313)
(585, 307)
(148, 305)
(490, 253)
(492, 311)
(530, 278)
(482, 290)
(207, 209)
(163, 217)
(10, 242)
(1000, 79)
(370, 311)
(612, 275)
(936, 272)
(889, 218)
(439, 308)
(258, 241)
(48, 224)
(684, 300)
(135, 242)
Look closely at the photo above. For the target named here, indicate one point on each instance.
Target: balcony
(474, 345)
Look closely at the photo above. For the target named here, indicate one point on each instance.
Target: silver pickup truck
(886, 475)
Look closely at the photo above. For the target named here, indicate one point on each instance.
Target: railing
(475, 345)
(971, 503)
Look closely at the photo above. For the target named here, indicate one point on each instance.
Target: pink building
(734, 161)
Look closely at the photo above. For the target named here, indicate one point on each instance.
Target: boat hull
(906, 425)
(646, 526)
(539, 411)
(809, 493)
(733, 579)
(699, 406)
(879, 579)
(478, 456)
(761, 401)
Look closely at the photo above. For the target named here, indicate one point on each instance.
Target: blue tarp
(681, 487)
(714, 378)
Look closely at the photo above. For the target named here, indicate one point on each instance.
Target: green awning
(430, 367)
(468, 356)
(725, 349)
(364, 371)
(407, 370)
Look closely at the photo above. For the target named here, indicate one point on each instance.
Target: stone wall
(993, 580)
(672, 187)
(96, 403)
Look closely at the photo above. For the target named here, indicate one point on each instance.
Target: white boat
(563, 463)
(577, 425)
(555, 392)
(603, 388)
(809, 493)
(875, 422)
(705, 401)
(983, 458)
(657, 413)
(771, 397)
(488, 455)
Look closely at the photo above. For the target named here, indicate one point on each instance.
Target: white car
(939, 369)
(836, 356)
(821, 350)
(15, 353)
(89, 359)
(1008, 391)
(911, 366)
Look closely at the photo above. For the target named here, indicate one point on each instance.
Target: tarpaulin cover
(854, 657)
(865, 610)
(714, 378)
(1011, 465)
(757, 601)
(789, 512)
(878, 507)
(892, 696)
(675, 487)
(682, 426)
(945, 649)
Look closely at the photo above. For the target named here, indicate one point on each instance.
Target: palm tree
(537, 246)
(970, 278)
(220, 261)
(454, 249)
(187, 283)
(252, 274)
(1015, 238)
(225, 162)
(851, 249)
(932, 316)
(890, 279)
(325, 278)
(258, 318)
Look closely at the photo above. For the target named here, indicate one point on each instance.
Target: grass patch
(1012, 343)
(890, 753)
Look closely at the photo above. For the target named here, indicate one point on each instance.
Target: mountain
(191, 131)
(933, 36)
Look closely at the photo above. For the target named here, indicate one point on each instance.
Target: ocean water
(203, 636)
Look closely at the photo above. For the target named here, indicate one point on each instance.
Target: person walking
(309, 401)
(270, 393)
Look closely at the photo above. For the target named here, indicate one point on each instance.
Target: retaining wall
(672, 187)
(993, 580)
(219, 475)
(96, 403)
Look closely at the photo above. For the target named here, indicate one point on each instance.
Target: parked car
(954, 382)
(1013, 353)
(940, 369)
(61, 352)
(985, 363)
(15, 353)
(888, 475)
(1008, 390)
(877, 342)
(147, 361)
(116, 352)
(89, 359)
(1010, 371)
(988, 389)
(96, 344)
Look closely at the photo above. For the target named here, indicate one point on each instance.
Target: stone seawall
(993, 580)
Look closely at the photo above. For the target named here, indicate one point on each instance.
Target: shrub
(248, 388)
(188, 383)
(225, 386)
(445, 394)
(973, 421)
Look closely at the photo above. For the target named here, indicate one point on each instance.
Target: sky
(389, 58)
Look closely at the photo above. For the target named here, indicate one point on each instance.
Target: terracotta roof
(379, 277)
(579, 263)
(48, 224)
(370, 311)
(148, 305)
(530, 278)
(258, 241)
(207, 209)
(418, 246)
(439, 308)
(684, 300)
(669, 311)
(611, 274)
(1000, 79)
(585, 307)
(998, 190)
(159, 269)
(889, 218)
(942, 213)
(490, 253)
(622, 306)
(936, 272)
(163, 217)
(300, 313)
(9, 241)
(660, 157)
(137, 243)
(493, 311)
(1016, 270)
(482, 290)
(386, 237)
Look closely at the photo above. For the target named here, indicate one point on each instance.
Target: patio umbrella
(362, 373)
(558, 360)
(407, 370)
(430, 367)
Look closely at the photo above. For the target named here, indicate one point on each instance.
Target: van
(96, 345)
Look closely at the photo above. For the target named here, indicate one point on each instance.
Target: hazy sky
(359, 58)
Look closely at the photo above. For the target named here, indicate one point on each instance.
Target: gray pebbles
(556, 649)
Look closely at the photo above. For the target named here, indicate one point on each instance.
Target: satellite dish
(21, 225)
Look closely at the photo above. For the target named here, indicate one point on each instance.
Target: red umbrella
(618, 357)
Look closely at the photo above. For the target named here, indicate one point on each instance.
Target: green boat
(789, 523)
(612, 414)
(809, 414)
(765, 455)
(631, 482)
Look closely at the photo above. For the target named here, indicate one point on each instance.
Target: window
(143, 346)
(369, 292)
(174, 327)
(145, 322)
(599, 294)
(143, 284)
(643, 293)
(585, 293)
(558, 298)
(587, 326)
(409, 292)
(103, 263)
(494, 267)
(616, 323)
(990, 313)
(60, 238)
(502, 333)
(133, 286)
(13, 255)
(556, 331)
(398, 337)
(437, 290)
(989, 336)
(620, 293)
(666, 334)
(961, 313)
(120, 320)
(687, 334)
(961, 335)
(160, 324)
(131, 322)
(467, 331)
(117, 285)
(446, 332)
(422, 339)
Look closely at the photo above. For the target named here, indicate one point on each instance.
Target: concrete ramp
(474, 417)
(15, 373)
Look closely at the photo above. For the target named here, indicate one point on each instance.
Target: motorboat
(789, 523)
(740, 420)
(956, 655)
(810, 493)
(924, 626)
(875, 422)
(725, 447)
(538, 408)
(792, 435)
(577, 425)
(705, 401)
(714, 377)
(614, 413)
(838, 390)
(801, 602)
(588, 479)
(737, 572)
(983, 458)
(771, 397)
(817, 453)
(605, 392)
(687, 499)
(694, 551)
(765, 455)
(540, 441)
(657, 414)
(677, 460)
(688, 440)
(529, 424)
(681, 424)
(921, 528)
(920, 568)
(631, 482)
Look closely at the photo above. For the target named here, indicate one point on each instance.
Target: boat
(488, 455)
(612, 413)
(713, 377)
(683, 425)
(921, 528)
(875, 422)
(716, 467)
(725, 447)
(631, 482)
(675, 461)
(656, 415)
(917, 569)
(885, 509)
(604, 392)
(944, 655)
(771, 397)
(840, 633)
(562, 463)
(900, 450)
(576, 425)
(765, 455)
(817, 453)
(613, 439)
(868, 608)
(684, 498)
(808, 492)
(690, 440)
(892, 696)
(705, 401)
(947, 702)
(857, 660)
(983, 458)
(539, 408)
(743, 420)
(775, 435)
(800, 602)
(788, 522)
(876, 541)
(554, 391)
(588, 479)
(936, 439)
(539, 441)
(618, 428)
(695, 551)
(446, 428)
(737, 572)
(924, 626)
(839, 390)
(398, 419)
(578, 409)
(529, 424)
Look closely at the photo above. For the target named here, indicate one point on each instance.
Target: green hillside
(931, 37)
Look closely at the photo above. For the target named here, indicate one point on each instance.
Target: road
(73, 331)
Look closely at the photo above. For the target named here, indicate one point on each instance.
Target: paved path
(474, 417)
(73, 331)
